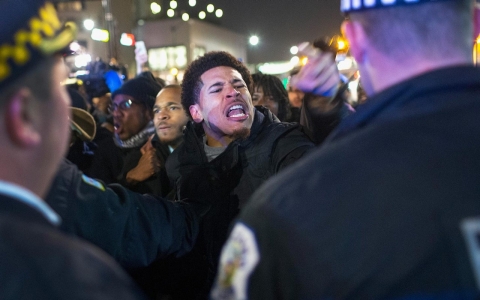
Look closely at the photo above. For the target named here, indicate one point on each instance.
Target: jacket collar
(193, 138)
(23, 196)
(15, 208)
(385, 102)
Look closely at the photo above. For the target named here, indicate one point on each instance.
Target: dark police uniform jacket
(135, 229)
(39, 262)
(387, 208)
(230, 179)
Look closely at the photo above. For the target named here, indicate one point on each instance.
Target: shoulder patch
(93, 183)
(239, 258)
(471, 232)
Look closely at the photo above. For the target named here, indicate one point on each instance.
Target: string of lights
(185, 9)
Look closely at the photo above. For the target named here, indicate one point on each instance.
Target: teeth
(235, 107)
(237, 115)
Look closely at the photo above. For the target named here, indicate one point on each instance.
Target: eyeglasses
(124, 105)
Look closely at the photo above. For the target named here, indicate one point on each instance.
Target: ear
(20, 119)
(196, 113)
(356, 37)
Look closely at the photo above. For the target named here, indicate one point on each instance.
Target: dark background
(279, 24)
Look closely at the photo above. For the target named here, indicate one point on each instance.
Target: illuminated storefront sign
(166, 58)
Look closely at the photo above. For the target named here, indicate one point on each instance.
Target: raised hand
(147, 166)
(320, 75)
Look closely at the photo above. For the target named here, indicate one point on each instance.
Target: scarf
(137, 140)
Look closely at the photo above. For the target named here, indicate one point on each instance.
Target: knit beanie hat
(144, 88)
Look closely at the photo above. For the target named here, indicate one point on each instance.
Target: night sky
(279, 24)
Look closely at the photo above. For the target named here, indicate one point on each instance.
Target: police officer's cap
(29, 32)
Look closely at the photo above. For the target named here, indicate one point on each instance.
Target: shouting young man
(229, 149)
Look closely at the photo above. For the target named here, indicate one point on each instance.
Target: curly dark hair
(273, 86)
(192, 83)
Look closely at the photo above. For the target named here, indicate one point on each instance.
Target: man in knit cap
(131, 107)
(388, 207)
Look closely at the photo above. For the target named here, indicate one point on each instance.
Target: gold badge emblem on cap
(43, 36)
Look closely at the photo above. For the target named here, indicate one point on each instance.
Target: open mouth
(117, 127)
(236, 111)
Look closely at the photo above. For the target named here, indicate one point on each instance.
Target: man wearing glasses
(131, 109)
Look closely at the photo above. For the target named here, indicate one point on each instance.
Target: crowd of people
(230, 186)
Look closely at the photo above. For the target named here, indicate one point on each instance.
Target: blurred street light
(155, 7)
(219, 13)
(170, 13)
(202, 15)
(185, 17)
(294, 50)
(210, 8)
(254, 40)
(88, 24)
(192, 3)
(173, 4)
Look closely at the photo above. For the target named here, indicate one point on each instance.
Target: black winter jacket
(112, 163)
(40, 262)
(243, 166)
(135, 229)
(229, 180)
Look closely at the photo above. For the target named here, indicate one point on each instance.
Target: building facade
(171, 42)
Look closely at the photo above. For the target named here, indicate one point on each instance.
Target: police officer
(38, 261)
(388, 206)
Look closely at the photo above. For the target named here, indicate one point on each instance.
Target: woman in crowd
(269, 91)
